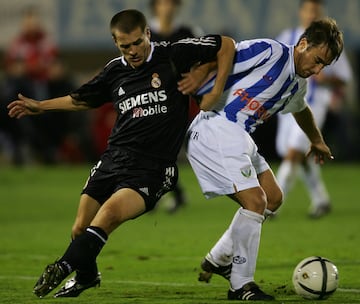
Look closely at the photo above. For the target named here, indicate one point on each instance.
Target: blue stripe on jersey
(240, 56)
(252, 51)
(231, 80)
(264, 83)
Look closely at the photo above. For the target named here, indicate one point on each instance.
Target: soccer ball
(315, 278)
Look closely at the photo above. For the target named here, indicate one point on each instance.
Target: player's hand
(192, 80)
(188, 84)
(23, 106)
(321, 152)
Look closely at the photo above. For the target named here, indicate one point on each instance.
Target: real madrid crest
(155, 81)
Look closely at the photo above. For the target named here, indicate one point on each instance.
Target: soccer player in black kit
(138, 166)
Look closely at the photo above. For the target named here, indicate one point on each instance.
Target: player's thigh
(88, 207)
(123, 205)
(271, 188)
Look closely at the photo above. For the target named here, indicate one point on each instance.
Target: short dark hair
(325, 31)
(128, 20)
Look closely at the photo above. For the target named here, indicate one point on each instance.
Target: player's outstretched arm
(225, 58)
(24, 106)
(318, 148)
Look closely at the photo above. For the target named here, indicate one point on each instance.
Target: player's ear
(303, 45)
(114, 38)
(148, 32)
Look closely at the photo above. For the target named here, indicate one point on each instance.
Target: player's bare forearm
(65, 103)
(224, 62)
(24, 106)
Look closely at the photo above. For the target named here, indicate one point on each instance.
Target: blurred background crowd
(49, 47)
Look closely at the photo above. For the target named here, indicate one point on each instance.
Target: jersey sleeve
(95, 92)
(187, 52)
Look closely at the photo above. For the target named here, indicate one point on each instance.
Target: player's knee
(277, 200)
(77, 230)
(257, 203)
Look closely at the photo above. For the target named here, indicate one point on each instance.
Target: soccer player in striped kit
(291, 142)
(267, 77)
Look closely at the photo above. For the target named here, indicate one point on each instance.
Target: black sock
(82, 252)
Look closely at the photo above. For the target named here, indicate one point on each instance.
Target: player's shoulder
(260, 45)
(207, 40)
(115, 62)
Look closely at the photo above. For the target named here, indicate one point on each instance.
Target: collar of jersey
(147, 59)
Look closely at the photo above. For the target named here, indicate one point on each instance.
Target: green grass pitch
(155, 259)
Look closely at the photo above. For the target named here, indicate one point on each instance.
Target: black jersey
(152, 113)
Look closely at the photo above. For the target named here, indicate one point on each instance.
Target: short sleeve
(187, 52)
(95, 92)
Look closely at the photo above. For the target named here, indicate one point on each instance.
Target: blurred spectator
(27, 61)
(67, 132)
(14, 134)
(323, 90)
(35, 49)
(165, 24)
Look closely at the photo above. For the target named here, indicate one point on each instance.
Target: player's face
(310, 60)
(309, 12)
(134, 46)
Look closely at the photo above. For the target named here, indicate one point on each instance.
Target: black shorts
(150, 179)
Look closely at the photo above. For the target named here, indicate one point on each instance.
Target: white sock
(286, 175)
(222, 252)
(245, 234)
(314, 183)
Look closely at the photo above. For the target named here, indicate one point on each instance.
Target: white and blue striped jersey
(261, 83)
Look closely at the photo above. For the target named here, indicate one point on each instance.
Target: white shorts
(223, 156)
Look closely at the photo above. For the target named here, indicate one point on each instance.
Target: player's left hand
(321, 152)
(192, 80)
(23, 106)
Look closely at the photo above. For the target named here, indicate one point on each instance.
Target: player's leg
(81, 254)
(272, 190)
(229, 155)
(320, 200)
(289, 169)
(286, 139)
(87, 209)
(245, 233)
